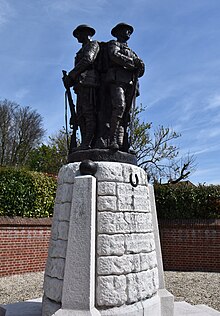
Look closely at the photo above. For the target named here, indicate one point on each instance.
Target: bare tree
(21, 129)
(156, 152)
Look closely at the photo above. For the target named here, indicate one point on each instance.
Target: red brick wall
(23, 244)
(186, 245)
(190, 246)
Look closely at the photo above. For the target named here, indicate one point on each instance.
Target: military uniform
(124, 69)
(85, 80)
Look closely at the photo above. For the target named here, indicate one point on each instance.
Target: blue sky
(179, 42)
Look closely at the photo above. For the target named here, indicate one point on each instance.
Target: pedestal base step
(33, 308)
(185, 309)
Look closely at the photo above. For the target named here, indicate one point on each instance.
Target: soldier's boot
(90, 130)
(114, 129)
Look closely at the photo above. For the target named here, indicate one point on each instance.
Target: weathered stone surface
(53, 288)
(138, 222)
(110, 245)
(125, 203)
(68, 172)
(63, 228)
(141, 285)
(118, 265)
(142, 203)
(106, 188)
(112, 223)
(135, 203)
(79, 277)
(109, 171)
(111, 290)
(57, 249)
(59, 230)
(148, 260)
(64, 193)
(49, 307)
(55, 268)
(129, 169)
(128, 189)
(62, 211)
(54, 229)
(107, 203)
(135, 243)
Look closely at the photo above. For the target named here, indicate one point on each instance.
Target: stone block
(112, 223)
(49, 307)
(63, 228)
(110, 245)
(57, 249)
(139, 222)
(2, 311)
(107, 203)
(118, 264)
(135, 243)
(59, 230)
(54, 229)
(79, 276)
(128, 189)
(62, 211)
(141, 203)
(125, 203)
(131, 169)
(53, 288)
(140, 285)
(148, 260)
(64, 193)
(167, 303)
(106, 188)
(111, 290)
(55, 268)
(109, 171)
(68, 172)
(156, 237)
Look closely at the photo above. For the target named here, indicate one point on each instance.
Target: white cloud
(6, 12)
(214, 102)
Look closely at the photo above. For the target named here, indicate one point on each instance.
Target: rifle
(73, 118)
(129, 114)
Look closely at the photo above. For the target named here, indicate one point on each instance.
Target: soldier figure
(84, 79)
(123, 71)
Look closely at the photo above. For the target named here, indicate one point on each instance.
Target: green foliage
(182, 201)
(49, 158)
(25, 193)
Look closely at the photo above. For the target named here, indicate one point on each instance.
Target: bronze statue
(125, 67)
(84, 79)
(105, 80)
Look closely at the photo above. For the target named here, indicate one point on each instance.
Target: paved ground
(193, 287)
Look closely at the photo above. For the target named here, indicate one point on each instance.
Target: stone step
(33, 308)
(211, 311)
(186, 309)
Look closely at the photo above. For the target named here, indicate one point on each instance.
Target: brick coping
(189, 223)
(6, 221)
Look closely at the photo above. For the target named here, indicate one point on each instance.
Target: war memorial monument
(104, 256)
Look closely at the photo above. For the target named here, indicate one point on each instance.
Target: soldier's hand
(67, 81)
(137, 62)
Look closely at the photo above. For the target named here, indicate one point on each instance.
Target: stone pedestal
(104, 256)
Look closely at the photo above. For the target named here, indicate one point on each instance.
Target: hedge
(26, 193)
(187, 201)
(31, 194)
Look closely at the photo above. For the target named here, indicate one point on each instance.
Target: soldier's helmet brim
(84, 28)
(120, 26)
